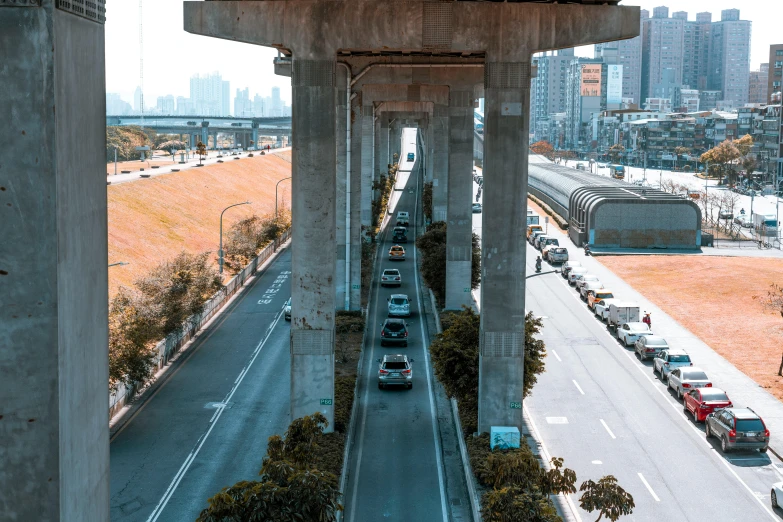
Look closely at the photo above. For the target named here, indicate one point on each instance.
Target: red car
(703, 401)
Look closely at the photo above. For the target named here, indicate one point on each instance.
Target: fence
(169, 346)
(731, 235)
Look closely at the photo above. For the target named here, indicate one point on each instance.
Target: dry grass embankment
(713, 298)
(152, 220)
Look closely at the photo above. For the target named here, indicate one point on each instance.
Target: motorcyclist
(742, 211)
(538, 263)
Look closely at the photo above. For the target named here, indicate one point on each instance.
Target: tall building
(138, 101)
(685, 100)
(210, 95)
(116, 106)
(696, 51)
(708, 100)
(243, 107)
(775, 70)
(277, 103)
(165, 104)
(757, 92)
(548, 90)
(662, 53)
(628, 55)
(585, 93)
(729, 62)
(185, 106)
(258, 106)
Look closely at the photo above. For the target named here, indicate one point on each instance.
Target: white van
(623, 312)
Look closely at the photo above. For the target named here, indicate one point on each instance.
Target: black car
(400, 235)
(394, 331)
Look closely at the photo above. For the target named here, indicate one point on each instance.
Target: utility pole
(220, 251)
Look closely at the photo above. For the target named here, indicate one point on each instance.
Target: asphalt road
(395, 472)
(207, 426)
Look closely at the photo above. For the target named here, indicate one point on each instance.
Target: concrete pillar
(53, 276)
(428, 142)
(384, 142)
(255, 136)
(440, 162)
(459, 212)
(313, 266)
(367, 142)
(502, 336)
(191, 141)
(377, 156)
(205, 133)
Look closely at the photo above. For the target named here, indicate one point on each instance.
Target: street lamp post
(220, 251)
(276, 184)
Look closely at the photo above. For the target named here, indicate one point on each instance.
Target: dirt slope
(151, 220)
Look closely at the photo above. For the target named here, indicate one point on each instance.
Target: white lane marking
(556, 356)
(607, 429)
(649, 488)
(193, 454)
(578, 387)
(548, 457)
(596, 462)
(557, 420)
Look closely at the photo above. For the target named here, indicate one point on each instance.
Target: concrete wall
(645, 224)
(54, 455)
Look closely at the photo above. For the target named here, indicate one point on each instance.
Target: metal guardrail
(169, 346)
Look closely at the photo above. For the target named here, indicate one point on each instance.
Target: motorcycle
(538, 266)
(587, 249)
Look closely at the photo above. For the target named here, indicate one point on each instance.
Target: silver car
(287, 310)
(650, 346)
(668, 360)
(587, 287)
(399, 306)
(586, 278)
(628, 333)
(575, 273)
(567, 266)
(683, 380)
(395, 370)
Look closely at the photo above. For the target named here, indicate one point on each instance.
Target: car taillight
(766, 433)
(686, 385)
(383, 333)
(649, 350)
(732, 434)
(406, 334)
(406, 372)
(708, 385)
(383, 372)
(396, 278)
(666, 364)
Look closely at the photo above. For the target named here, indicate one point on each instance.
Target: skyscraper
(165, 104)
(277, 103)
(584, 94)
(243, 107)
(210, 95)
(729, 62)
(696, 49)
(662, 54)
(758, 85)
(775, 70)
(548, 90)
(138, 101)
(628, 54)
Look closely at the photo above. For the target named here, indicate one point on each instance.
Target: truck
(765, 225)
(622, 312)
(618, 171)
(557, 255)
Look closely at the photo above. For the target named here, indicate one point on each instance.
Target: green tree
(455, 355)
(426, 200)
(720, 159)
(514, 504)
(535, 352)
(290, 488)
(607, 497)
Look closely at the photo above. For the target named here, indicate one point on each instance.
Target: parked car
(395, 370)
(726, 214)
(533, 228)
(557, 255)
(533, 236)
(622, 312)
(399, 305)
(586, 278)
(703, 401)
(648, 346)
(590, 286)
(598, 295)
(549, 241)
(396, 253)
(287, 310)
(668, 360)
(601, 308)
(394, 331)
(775, 493)
(477, 208)
(628, 333)
(411, 156)
(403, 219)
(567, 266)
(538, 240)
(400, 235)
(575, 273)
(391, 277)
(682, 380)
(737, 428)
(580, 166)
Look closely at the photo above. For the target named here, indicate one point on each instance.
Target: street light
(121, 263)
(276, 184)
(220, 251)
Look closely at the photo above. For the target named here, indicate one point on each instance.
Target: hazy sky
(172, 56)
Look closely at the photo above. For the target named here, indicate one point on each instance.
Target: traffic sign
(516, 405)
(326, 402)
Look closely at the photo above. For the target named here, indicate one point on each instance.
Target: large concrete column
(54, 439)
(341, 282)
(440, 162)
(460, 187)
(502, 337)
(205, 133)
(366, 166)
(313, 212)
(385, 142)
(255, 135)
(429, 137)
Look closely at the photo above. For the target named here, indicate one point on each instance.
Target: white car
(628, 333)
(391, 277)
(399, 306)
(601, 308)
(668, 360)
(287, 310)
(538, 239)
(586, 278)
(683, 380)
(586, 287)
(567, 266)
(776, 493)
(574, 273)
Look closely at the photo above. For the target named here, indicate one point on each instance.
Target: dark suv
(394, 331)
(395, 369)
(737, 428)
(400, 235)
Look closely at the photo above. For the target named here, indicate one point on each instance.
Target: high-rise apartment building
(628, 55)
(116, 106)
(757, 92)
(548, 89)
(662, 54)
(210, 95)
(165, 104)
(185, 106)
(243, 107)
(138, 101)
(277, 103)
(729, 63)
(775, 70)
(585, 94)
(696, 50)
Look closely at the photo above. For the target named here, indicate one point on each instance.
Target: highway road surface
(207, 426)
(395, 469)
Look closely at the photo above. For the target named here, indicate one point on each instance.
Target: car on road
(667, 360)
(391, 277)
(590, 286)
(741, 218)
(534, 235)
(396, 253)
(287, 310)
(400, 235)
(682, 380)
(586, 278)
(539, 239)
(601, 308)
(593, 296)
(403, 219)
(648, 346)
(556, 254)
(477, 208)
(395, 370)
(737, 428)
(411, 156)
(628, 333)
(533, 228)
(703, 401)
(603, 166)
(549, 241)
(567, 266)
(394, 331)
(776, 493)
(726, 214)
(575, 273)
(399, 306)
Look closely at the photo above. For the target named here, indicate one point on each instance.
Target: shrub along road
(207, 426)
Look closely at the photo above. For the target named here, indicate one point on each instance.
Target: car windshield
(695, 376)
(714, 395)
(390, 365)
(604, 295)
(395, 327)
(750, 425)
(396, 249)
(399, 301)
(680, 358)
(652, 341)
